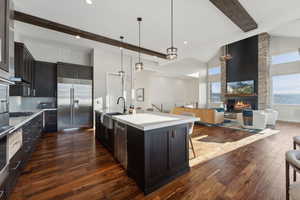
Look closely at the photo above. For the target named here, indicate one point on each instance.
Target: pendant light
(122, 72)
(227, 56)
(139, 66)
(172, 51)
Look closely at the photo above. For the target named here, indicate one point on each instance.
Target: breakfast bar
(152, 147)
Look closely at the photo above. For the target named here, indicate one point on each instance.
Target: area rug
(207, 147)
(232, 124)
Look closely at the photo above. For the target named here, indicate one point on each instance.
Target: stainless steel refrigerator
(74, 97)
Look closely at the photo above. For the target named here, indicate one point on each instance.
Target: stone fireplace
(250, 61)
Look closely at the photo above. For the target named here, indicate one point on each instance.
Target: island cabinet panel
(178, 148)
(157, 156)
(104, 135)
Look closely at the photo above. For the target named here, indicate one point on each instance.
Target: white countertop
(18, 122)
(149, 121)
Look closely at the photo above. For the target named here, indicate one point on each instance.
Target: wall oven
(4, 127)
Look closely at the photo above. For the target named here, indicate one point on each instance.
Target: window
(286, 58)
(286, 89)
(214, 71)
(215, 92)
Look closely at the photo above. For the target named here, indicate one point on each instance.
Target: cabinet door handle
(17, 166)
(173, 133)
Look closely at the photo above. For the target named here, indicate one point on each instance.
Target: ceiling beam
(236, 13)
(29, 19)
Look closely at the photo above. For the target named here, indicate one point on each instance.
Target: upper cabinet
(4, 35)
(24, 63)
(45, 81)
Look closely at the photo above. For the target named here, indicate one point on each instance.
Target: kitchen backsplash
(18, 104)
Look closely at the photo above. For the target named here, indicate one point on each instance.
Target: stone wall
(264, 62)
(223, 78)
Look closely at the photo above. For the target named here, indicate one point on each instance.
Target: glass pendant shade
(172, 53)
(139, 66)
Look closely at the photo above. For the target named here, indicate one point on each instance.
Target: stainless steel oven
(4, 127)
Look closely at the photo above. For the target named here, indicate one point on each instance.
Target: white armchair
(259, 120)
(272, 116)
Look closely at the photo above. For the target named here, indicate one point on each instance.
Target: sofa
(209, 116)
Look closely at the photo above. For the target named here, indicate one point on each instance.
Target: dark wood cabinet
(31, 135)
(104, 135)
(44, 79)
(50, 121)
(74, 71)
(4, 32)
(24, 63)
(158, 156)
(24, 68)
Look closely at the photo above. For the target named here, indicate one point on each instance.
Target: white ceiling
(291, 29)
(196, 21)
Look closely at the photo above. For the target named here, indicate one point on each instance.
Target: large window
(215, 92)
(286, 89)
(286, 58)
(214, 71)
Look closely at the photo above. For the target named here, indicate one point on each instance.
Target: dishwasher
(120, 143)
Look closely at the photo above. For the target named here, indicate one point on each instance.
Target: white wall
(54, 52)
(160, 89)
(280, 45)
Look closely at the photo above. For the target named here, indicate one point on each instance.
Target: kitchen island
(152, 147)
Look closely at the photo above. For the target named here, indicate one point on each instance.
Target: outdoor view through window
(286, 88)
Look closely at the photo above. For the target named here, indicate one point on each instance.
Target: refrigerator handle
(71, 105)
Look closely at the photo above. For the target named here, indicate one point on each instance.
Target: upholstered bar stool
(292, 159)
(296, 141)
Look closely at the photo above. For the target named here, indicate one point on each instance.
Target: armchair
(259, 120)
(272, 116)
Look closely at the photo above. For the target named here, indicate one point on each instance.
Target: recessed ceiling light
(185, 42)
(77, 36)
(89, 2)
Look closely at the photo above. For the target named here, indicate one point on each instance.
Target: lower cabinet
(157, 156)
(31, 134)
(50, 121)
(104, 135)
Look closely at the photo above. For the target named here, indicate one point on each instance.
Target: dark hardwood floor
(72, 165)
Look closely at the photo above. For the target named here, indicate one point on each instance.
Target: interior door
(83, 103)
(64, 103)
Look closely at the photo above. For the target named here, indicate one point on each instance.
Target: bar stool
(292, 159)
(191, 128)
(296, 141)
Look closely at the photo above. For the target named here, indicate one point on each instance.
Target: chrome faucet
(124, 104)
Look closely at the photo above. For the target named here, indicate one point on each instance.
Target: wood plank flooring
(73, 166)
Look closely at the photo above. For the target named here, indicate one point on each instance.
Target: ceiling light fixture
(227, 56)
(77, 36)
(172, 51)
(89, 2)
(122, 72)
(139, 66)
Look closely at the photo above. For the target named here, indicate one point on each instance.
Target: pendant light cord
(122, 53)
(172, 16)
(140, 40)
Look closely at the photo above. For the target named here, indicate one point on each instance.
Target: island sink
(152, 147)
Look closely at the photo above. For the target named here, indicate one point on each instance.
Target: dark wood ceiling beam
(236, 13)
(29, 19)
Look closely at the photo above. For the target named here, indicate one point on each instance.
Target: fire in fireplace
(240, 105)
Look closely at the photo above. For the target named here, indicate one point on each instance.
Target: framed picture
(140, 94)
